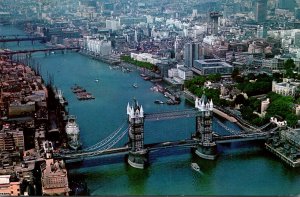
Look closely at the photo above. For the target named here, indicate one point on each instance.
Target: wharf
(283, 157)
(107, 59)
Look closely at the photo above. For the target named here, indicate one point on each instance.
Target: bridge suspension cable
(99, 151)
(106, 140)
(114, 142)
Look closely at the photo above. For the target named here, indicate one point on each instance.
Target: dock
(290, 162)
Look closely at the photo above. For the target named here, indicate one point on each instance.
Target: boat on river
(72, 130)
(158, 102)
(195, 167)
(135, 85)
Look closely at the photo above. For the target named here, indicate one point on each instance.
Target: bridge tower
(138, 155)
(207, 148)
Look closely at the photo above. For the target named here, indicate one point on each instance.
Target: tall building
(287, 4)
(213, 26)
(297, 13)
(191, 53)
(297, 39)
(261, 11)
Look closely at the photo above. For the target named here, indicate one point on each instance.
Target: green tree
(289, 64)
(240, 99)
(235, 73)
(214, 77)
(291, 119)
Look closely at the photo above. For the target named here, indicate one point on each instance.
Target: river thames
(240, 169)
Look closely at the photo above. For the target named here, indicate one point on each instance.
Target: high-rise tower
(261, 11)
(191, 53)
(214, 23)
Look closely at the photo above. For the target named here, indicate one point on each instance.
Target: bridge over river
(203, 142)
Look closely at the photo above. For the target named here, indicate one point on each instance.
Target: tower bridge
(203, 142)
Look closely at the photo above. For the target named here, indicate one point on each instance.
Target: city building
(8, 186)
(191, 53)
(179, 74)
(213, 26)
(100, 47)
(261, 11)
(297, 39)
(264, 106)
(54, 178)
(185, 73)
(145, 57)
(212, 66)
(286, 4)
(285, 88)
(112, 24)
(11, 139)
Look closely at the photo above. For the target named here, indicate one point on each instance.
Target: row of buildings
(24, 149)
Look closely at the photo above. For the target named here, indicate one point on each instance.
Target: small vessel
(72, 130)
(195, 166)
(158, 102)
(135, 85)
(96, 80)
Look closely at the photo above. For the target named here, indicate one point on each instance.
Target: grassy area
(147, 65)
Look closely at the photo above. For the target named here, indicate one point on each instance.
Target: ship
(72, 130)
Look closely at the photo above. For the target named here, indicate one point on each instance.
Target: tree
(289, 64)
(235, 73)
(214, 77)
(291, 119)
(240, 99)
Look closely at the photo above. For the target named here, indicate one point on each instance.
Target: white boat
(72, 130)
(195, 166)
(135, 85)
(158, 102)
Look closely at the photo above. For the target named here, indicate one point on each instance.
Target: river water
(241, 169)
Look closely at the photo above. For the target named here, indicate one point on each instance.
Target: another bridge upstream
(21, 38)
(203, 141)
(30, 51)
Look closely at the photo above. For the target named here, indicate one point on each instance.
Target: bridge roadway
(73, 155)
(84, 154)
(38, 50)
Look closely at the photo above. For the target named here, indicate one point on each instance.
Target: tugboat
(72, 130)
